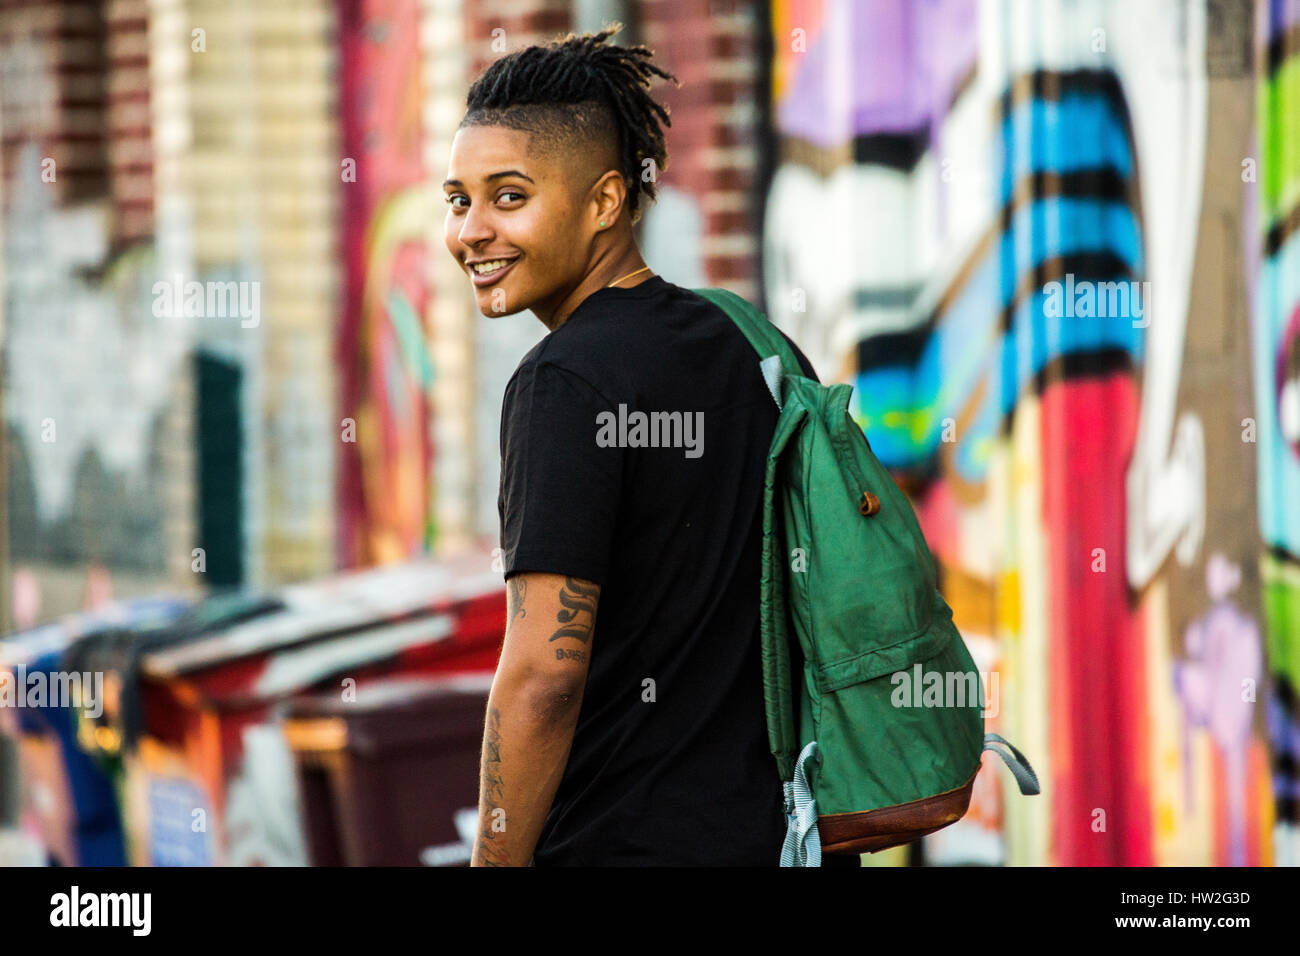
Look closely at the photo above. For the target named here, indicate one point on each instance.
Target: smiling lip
(485, 280)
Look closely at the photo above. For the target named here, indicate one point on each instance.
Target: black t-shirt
(670, 761)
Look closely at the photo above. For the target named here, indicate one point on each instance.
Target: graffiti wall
(1050, 252)
(1273, 249)
(90, 369)
(167, 243)
(386, 368)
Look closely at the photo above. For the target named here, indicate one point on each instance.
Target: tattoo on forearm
(517, 590)
(488, 852)
(561, 654)
(579, 614)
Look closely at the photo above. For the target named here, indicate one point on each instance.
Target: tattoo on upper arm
(517, 590)
(578, 616)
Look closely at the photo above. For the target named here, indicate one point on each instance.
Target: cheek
(450, 232)
(546, 238)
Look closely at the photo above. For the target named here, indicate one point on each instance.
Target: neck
(599, 277)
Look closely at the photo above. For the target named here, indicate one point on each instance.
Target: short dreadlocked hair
(577, 91)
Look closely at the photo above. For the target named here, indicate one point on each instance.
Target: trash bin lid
(22, 647)
(336, 605)
(392, 714)
(395, 693)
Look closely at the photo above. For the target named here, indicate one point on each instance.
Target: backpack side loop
(1026, 779)
(803, 846)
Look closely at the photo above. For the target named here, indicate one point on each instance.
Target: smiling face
(536, 212)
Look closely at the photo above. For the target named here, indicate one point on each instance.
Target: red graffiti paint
(1097, 663)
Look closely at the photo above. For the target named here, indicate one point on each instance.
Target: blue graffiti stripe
(1078, 133)
(968, 344)
(410, 337)
(1058, 226)
(1277, 295)
(1082, 134)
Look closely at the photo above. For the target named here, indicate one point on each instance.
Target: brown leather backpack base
(870, 830)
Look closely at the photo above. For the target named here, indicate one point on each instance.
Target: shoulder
(597, 345)
(694, 298)
(546, 376)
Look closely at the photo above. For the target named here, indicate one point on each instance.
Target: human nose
(475, 228)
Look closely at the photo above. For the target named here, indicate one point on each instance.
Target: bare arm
(532, 711)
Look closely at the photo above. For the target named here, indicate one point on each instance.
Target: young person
(625, 724)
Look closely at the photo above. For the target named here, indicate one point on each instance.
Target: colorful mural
(1273, 247)
(1018, 223)
(386, 371)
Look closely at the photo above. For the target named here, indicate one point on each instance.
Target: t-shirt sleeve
(560, 490)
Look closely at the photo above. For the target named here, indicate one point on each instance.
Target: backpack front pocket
(925, 731)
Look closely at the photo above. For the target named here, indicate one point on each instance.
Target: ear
(608, 199)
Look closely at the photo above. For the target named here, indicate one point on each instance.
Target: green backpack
(846, 566)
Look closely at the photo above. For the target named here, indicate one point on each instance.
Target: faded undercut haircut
(577, 94)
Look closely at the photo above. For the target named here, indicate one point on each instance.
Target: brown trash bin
(390, 779)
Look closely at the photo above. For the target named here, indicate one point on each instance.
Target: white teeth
(482, 268)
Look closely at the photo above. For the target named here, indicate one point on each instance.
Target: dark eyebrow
(489, 178)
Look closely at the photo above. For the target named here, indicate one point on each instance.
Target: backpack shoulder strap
(779, 693)
(775, 356)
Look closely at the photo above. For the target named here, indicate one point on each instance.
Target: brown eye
(512, 192)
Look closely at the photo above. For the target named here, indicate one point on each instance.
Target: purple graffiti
(1223, 659)
(901, 60)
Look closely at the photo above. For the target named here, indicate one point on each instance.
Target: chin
(485, 309)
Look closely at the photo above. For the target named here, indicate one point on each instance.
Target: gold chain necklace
(628, 276)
